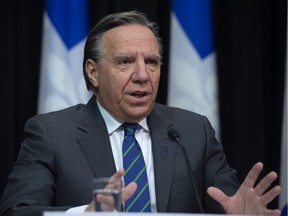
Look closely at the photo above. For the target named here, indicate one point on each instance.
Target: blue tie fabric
(135, 170)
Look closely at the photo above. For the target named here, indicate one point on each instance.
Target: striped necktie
(135, 170)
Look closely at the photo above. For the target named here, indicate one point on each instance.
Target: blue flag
(192, 75)
(65, 27)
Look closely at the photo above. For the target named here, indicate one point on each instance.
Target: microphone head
(173, 134)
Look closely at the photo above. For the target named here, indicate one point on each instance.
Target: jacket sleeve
(30, 186)
(217, 170)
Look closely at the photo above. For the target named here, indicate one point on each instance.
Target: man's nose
(140, 73)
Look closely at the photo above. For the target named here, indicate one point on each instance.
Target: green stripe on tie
(129, 149)
(131, 165)
(139, 174)
(143, 209)
(136, 198)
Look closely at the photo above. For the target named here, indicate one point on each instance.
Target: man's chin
(137, 114)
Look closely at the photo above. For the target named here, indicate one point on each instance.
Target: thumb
(218, 195)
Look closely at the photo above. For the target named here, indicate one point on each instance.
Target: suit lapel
(163, 155)
(94, 140)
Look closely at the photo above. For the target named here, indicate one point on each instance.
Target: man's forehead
(129, 32)
(130, 40)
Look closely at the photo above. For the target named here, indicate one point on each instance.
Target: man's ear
(92, 72)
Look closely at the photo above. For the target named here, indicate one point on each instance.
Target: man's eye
(124, 61)
(152, 62)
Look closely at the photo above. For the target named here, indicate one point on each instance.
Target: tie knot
(129, 128)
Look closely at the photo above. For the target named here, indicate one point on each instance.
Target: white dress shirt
(116, 136)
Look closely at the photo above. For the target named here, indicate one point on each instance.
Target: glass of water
(109, 188)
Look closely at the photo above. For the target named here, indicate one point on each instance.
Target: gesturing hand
(250, 199)
(107, 202)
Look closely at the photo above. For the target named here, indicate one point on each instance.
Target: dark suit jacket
(63, 151)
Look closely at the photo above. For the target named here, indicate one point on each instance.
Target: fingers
(118, 174)
(217, 195)
(128, 191)
(265, 183)
(107, 202)
(253, 175)
(275, 212)
(115, 180)
(270, 195)
(259, 196)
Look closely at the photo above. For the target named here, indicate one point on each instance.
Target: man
(63, 151)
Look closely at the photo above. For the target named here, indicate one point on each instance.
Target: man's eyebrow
(156, 57)
(131, 55)
(120, 55)
(123, 55)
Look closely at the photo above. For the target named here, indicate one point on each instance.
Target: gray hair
(94, 45)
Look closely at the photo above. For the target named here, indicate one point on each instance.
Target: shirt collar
(112, 123)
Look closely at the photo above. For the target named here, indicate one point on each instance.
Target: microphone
(174, 135)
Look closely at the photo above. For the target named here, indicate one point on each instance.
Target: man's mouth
(139, 94)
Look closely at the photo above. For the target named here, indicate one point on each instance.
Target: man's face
(127, 77)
